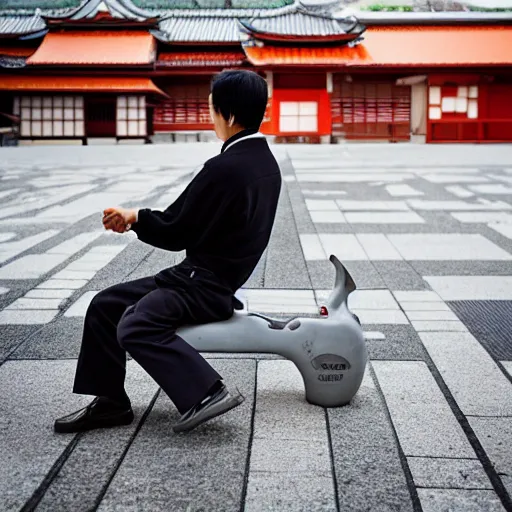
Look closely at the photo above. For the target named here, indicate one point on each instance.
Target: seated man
(223, 219)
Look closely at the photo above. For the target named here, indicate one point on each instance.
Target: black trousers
(141, 317)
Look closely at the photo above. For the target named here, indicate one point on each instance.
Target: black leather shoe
(97, 414)
(219, 403)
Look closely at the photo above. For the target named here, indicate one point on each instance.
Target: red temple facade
(110, 69)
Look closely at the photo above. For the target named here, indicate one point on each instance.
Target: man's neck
(238, 135)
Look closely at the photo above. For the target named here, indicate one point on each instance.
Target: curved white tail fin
(343, 285)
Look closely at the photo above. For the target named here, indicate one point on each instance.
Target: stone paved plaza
(426, 232)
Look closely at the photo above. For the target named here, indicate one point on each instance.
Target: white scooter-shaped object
(329, 350)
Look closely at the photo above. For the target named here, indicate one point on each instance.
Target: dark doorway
(100, 116)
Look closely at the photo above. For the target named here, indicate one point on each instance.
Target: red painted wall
(318, 95)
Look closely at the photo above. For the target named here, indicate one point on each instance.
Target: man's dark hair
(242, 94)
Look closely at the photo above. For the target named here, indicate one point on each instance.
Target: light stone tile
(425, 306)
(432, 315)
(378, 247)
(402, 190)
(459, 191)
(374, 335)
(31, 266)
(312, 248)
(367, 206)
(438, 326)
(454, 178)
(31, 303)
(74, 274)
(26, 317)
(502, 229)
(6, 236)
(321, 205)
(432, 205)
(472, 287)
(288, 308)
(37, 293)
(328, 217)
(447, 247)
(459, 500)
(75, 244)
(448, 473)
(344, 247)
(384, 218)
(508, 366)
(483, 217)
(381, 316)
(66, 284)
(474, 379)
(358, 177)
(10, 249)
(416, 296)
(277, 295)
(309, 191)
(492, 188)
(364, 299)
(79, 308)
(84, 266)
(423, 420)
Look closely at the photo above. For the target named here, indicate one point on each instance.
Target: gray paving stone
(401, 343)
(399, 275)
(495, 434)
(289, 493)
(281, 408)
(13, 335)
(96, 455)
(448, 473)
(200, 470)
(57, 340)
(459, 500)
(39, 392)
(424, 422)
(474, 379)
(366, 460)
(285, 266)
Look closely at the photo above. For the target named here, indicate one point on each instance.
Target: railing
(469, 130)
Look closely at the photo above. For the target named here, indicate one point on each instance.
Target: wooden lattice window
(50, 116)
(131, 116)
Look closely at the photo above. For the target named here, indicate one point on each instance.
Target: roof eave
(427, 18)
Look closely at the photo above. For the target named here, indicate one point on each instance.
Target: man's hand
(119, 219)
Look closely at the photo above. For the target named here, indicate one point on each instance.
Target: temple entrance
(100, 116)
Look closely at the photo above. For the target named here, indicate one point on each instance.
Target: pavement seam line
(251, 436)
(142, 420)
(41, 489)
(333, 466)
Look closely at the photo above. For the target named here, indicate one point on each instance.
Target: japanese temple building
(119, 69)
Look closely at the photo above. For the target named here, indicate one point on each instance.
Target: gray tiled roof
(21, 24)
(201, 29)
(297, 24)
